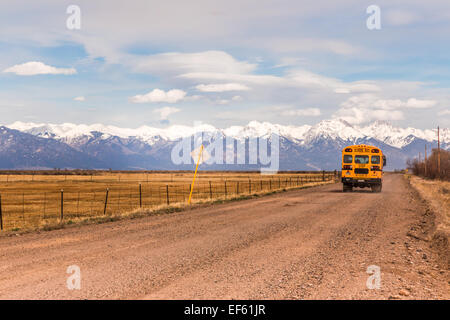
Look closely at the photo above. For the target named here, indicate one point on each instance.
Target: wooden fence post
(23, 206)
(249, 186)
(261, 184)
(62, 205)
(270, 184)
(225, 189)
(1, 214)
(237, 188)
(106, 201)
(45, 202)
(167, 194)
(78, 204)
(140, 195)
(210, 190)
(118, 201)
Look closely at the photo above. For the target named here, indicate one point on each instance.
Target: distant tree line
(429, 168)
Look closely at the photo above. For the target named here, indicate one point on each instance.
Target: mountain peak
(336, 128)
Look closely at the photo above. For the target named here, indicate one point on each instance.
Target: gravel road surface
(313, 243)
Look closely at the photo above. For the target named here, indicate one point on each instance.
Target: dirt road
(305, 244)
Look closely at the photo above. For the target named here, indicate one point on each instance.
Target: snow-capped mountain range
(98, 146)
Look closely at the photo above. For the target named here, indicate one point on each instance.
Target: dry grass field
(437, 194)
(34, 200)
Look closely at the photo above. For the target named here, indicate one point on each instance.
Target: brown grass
(31, 201)
(437, 195)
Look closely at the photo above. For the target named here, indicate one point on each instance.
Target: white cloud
(308, 112)
(420, 104)
(179, 63)
(222, 87)
(293, 79)
(368, 107)
(338, 47)
(357, 87)
(360, 115)
(227, 101)
(445, 112)
(34, 68)
(372, 101)
(309, 79)
(400, 18)
(223, 101)
(248, 78)
(341, 90)
(165, 112)
(157, 95)
(80, 98)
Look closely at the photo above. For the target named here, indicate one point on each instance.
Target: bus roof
(358, 147)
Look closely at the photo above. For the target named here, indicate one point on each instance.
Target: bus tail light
(347, 167)
(375, 168)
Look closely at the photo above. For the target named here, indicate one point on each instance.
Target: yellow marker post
(195, 174)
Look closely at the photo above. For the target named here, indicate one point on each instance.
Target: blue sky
(225, 63)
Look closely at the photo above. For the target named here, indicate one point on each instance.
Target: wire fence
(21, 210)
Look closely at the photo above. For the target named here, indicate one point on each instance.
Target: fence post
(1, 214)
(323, 175)
(261, 184)
(167, 193)
(210, 190)
(62, 205)
(270, 184)
(23, 206)
(106, 201)
(118, 200)
(225, 183)
(78, 203)
(249, 186)
(45, 202)
(140, 195)
(237, 188)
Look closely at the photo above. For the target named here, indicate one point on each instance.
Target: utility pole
(439, 156)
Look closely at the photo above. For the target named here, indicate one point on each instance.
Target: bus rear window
(348, 158)
(376, 159)
(361, 159)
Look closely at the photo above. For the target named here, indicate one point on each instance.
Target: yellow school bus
(362, 167)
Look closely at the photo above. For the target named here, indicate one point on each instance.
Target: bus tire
(376, 188)
(347, 188)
